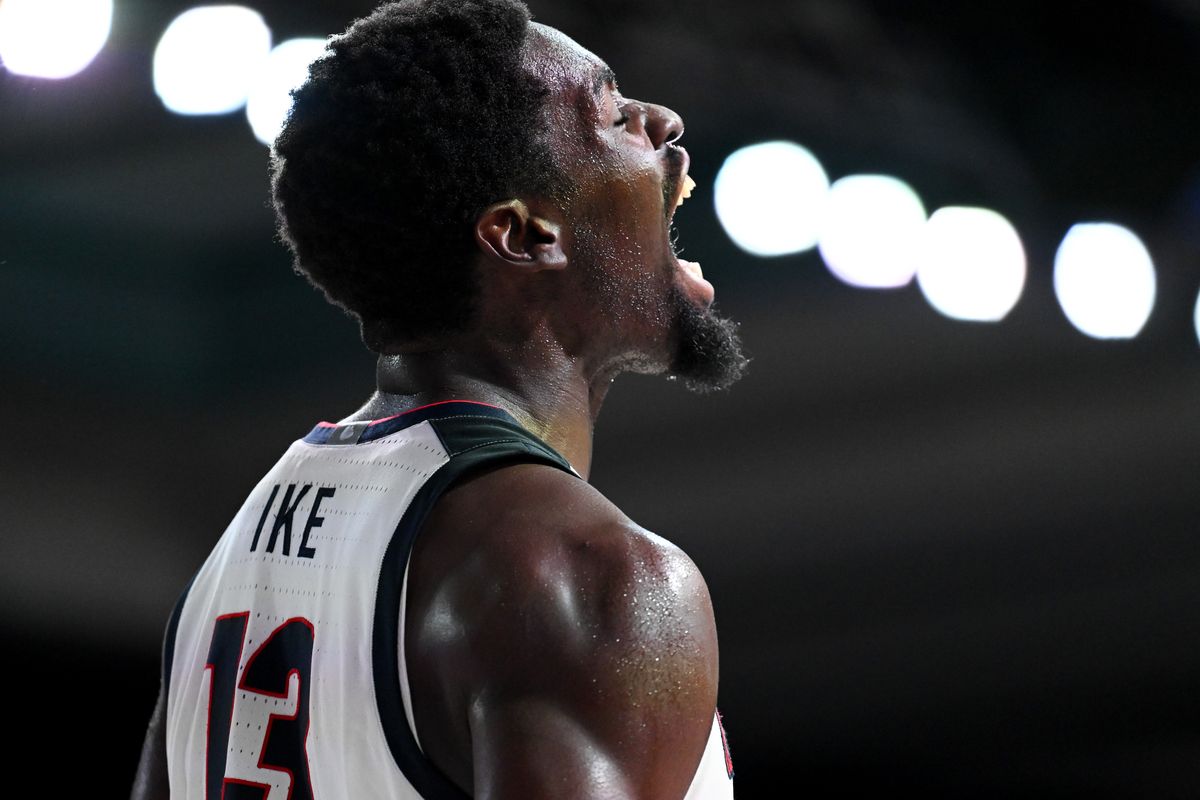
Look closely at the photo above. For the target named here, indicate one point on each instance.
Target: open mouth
(678, 185)
(677, 188)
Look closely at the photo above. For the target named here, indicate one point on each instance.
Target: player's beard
(705, 351)
(708, 351)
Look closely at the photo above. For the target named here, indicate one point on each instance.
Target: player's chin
(708, 354)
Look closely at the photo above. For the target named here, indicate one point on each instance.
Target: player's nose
(662, 124)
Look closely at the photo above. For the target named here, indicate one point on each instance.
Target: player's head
(450, 164)
(649, 310)
(417, 117)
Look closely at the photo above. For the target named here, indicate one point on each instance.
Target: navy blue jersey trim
(356, 432)
(517, 446)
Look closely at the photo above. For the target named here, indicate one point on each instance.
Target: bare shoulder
(549, 616)
(554, 545)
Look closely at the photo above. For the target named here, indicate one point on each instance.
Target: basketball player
(427, 599)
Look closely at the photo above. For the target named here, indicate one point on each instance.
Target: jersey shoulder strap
(472, 441)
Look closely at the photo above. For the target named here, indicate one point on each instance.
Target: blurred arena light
(1104, 279)
(52, 38)
(1196, 318)
(770, 198)
(207, 57)
(872, 228)
(270, 97)
(972, 263)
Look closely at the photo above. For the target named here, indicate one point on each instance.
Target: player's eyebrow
(603, 76)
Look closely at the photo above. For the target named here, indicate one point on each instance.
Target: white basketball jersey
(284, 660)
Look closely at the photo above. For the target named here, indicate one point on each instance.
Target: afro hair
(413, 121)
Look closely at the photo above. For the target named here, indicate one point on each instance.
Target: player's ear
(511, 232)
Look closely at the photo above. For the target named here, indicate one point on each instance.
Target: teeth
(688, 185)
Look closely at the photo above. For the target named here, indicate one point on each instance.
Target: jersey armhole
(402, 665)
(468, 455)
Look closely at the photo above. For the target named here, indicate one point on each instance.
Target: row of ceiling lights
(872, 231)
(772, 198)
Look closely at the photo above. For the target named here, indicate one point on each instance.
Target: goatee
(708, 354)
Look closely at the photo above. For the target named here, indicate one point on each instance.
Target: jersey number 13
(245, 703)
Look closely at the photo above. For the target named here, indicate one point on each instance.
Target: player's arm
(593, 668)
(151, 780)
(610, 696)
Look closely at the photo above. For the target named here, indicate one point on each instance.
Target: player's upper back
(284, 671)
(287, 674)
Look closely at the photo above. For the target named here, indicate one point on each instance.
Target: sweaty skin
(559, 650)
(555, 649)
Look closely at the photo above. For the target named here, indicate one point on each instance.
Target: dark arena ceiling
(953, 557)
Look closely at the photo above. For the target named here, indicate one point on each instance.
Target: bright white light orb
(972, 264)
(207, 57)
(270, 97)
(52, 38)
(771, 197)
(872, 229)
(1196, 318)
(1104, 279)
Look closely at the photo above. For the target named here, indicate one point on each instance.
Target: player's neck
(554, 400)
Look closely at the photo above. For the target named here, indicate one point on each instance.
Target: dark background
(945, 557)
